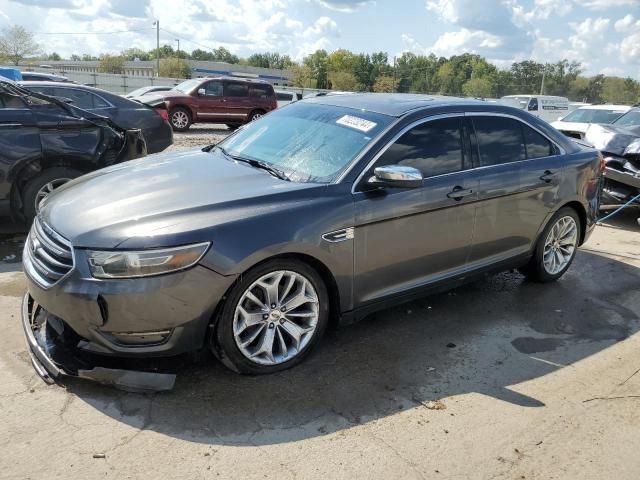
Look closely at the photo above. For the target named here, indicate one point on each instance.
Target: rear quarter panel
(581, 182)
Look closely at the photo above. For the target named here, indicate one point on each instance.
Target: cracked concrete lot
(498, 379)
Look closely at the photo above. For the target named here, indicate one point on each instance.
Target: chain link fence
(123, 84)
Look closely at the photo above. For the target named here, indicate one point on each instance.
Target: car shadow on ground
(486, 337)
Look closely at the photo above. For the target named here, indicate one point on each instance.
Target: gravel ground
(501, 379)
(199, 135)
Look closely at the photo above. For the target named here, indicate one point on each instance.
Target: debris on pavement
(435, 405)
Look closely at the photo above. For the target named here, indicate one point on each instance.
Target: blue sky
(602, 34)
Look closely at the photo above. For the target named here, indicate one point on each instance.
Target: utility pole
(157, 24)
(394, 74)
(544, 72)
(178, 52)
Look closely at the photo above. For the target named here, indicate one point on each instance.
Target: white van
(546, 107)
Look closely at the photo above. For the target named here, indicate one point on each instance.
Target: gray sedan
(324, 211)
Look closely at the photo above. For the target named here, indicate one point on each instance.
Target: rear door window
(500, 140)
(537, 145)
(236, 90)
(434, 148)
(81, 98)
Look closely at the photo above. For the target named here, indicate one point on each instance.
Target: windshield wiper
(257, 164)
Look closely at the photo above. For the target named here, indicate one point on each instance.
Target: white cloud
(491, 28)
(410, 44)
(606, 4)
(542, 10)
(629, 49)
(465, 40)
(345, 6)
(627, 23)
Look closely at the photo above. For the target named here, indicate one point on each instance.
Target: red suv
(232, 101)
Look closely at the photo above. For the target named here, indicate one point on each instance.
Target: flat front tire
(556, 248)
(272, 318)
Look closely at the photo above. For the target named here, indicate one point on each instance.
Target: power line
(187, 40)
(94, 33)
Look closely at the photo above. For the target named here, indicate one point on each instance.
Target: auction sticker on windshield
(356, 122)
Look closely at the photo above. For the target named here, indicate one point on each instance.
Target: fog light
(140, 338)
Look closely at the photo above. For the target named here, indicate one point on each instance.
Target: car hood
(168, 199)
(610, 138)
(570, 126)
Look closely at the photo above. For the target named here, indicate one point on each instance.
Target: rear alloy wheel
(556, 248)
(180, 119)
(272, 318)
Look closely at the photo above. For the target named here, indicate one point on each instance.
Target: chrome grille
(48, 256)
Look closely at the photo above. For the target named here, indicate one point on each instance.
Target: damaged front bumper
(50, 343)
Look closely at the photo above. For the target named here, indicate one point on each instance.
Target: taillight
(163, 113)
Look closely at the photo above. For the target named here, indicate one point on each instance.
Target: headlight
(144, 263)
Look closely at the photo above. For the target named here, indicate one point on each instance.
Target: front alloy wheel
(276, 317)
(272, 318)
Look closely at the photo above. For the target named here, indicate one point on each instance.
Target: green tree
(301, 76)
(55, 57)
(481, 87)
(175, 68)
(111, 64)
(17, 43)
(139, 54)
(343, 81)
(317, 63)
(385, 84)
(270, 60)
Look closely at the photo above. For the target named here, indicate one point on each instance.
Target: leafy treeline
(466, 74)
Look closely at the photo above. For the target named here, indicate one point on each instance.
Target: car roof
(235, 79)
(605, 107)
(392, 104)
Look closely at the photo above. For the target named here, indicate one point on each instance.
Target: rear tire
(180, 119)
(556, 247)
(37, 188)
(261, 331)
(256, 114)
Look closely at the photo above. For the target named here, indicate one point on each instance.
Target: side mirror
(396, 176)
(202, 92)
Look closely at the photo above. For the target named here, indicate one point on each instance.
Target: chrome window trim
(514, 117)
(398, 135)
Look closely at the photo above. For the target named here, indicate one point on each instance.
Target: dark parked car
(138, 92)
(45, 142)
(328, 209)
(44, 77)
(233, 101)
(153, 122)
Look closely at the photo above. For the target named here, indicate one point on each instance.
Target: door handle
(458, 193)
(548, 176)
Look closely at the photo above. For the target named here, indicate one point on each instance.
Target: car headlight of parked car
(144, 263)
